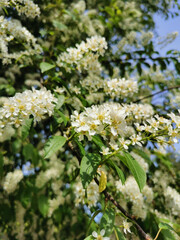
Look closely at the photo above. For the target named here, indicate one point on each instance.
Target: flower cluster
(120, 122)
(17, 109)
(112, 87)
(54, 169)
(27, 7)
(92, 82)
(99, 119)
(12, 30)
(120, 87)
(84, 56)
(92, 194)
(172, 200)
(131, 191)
(112, 117)
(54, 203)
(11, 180)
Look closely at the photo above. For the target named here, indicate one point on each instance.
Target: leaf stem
(158, 233)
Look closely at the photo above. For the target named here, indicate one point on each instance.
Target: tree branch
(110, 198)
(153, 94)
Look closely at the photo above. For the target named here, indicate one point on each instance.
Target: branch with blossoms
(110, 198)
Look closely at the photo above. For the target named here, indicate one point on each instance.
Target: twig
(153, 94)
(110, 198)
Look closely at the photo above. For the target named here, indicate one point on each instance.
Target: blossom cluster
(12, 30)
(17, 109)
(92, 194)
(92, 82)
(27, 7)
(11, 180)
(120, 87)
(109, 116)
(114, 120)
(84, 55)
(54, 169)
(172, 200)
(131, 192)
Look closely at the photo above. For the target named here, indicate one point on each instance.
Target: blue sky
(163, 27)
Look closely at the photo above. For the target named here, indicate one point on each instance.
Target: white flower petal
(94, 234)
(102, 232)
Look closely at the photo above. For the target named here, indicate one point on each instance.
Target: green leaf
(167, 235)
(107, 221)
(118, 170)
(89, 238)
(53, 144)
(16, 145)
(70, 14)
(58, 214)
(43, 205)
(1, 165)
(97, 140)
(25, 197)
(59, 25)
(30, 153)
(81, 148)
(26, 128)
(119, 234)
(65, 119)
(27, 151)
(46, 66)
(137, 171)
(60, 102)
(163, 225)
(143, 155)
(88, 169)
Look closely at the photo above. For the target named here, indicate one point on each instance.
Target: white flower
(124, 143)
(12, 179)
(17, 109)
(84, 56)
(100, 236)
(105, 151)
(136, 140)
(126, 226)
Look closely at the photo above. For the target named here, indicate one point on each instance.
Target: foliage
(87, 145)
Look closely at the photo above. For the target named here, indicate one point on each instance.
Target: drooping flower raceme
(172, 200)
(131, 192)
(17, 109)
(12, 30)
(116, 87)
(11, 180)
(120, 87)
(27, 7)
(84, 56)
(92, 194)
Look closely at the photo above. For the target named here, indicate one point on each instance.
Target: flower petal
(102, 232)
(94, 234)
